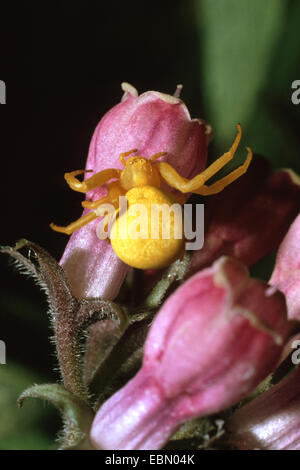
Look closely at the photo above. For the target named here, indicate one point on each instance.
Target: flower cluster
(154, 362)
(211, 343)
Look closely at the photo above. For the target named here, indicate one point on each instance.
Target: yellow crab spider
(140, 182)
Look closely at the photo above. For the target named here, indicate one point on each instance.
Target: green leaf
(77, 416)
(34, 427)
(70, 317)
(237, 42)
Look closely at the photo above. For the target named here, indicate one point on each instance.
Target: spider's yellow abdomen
(149, 234)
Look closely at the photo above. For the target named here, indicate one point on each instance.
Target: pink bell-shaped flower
(152, 122)
(271, 421)
(211, 343)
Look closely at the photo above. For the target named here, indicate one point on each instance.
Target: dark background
(63, 62)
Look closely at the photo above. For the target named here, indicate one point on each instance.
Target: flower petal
(152, 122)
(286, 274)
(211, 343)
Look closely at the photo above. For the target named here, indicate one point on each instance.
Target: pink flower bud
(271, 421)
(286, 274)
(211, 343)
(152, 122)
(250, 217)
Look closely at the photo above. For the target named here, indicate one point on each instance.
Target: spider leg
(93, 182)
(179, 198)
(157, 155)
(224, 159)
(95, 204)
(170, 175)
(123, 155)
(228, 179)
(114, 192)
(109, 219)
(75, 225)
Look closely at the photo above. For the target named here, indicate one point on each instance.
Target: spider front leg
(218, 186)
(123, 155)
(95, 204)
(195, 185)
(75, 225)
(114, 190)
(91, 183)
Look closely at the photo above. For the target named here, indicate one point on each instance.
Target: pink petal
(286, 274)
(152, 122)
(211, 343)
(271, 421)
